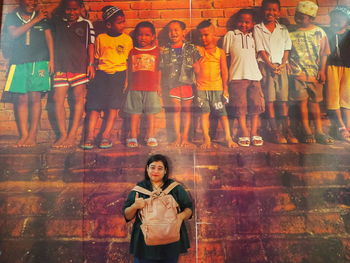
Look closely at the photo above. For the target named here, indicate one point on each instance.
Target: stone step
(44, 163)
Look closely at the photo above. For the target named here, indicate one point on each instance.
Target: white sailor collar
(264, 28)
(239, 32)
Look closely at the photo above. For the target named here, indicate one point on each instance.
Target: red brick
(229, 12)
(291, 224)
(323, 20)
(140, 5)
(166, 5)
(201, 4)
(149, 14)
(222, 22)
(76, 228)
(322, 223)
(228, 4)
(326, 2)
(289, 2)
(344, 2)
(212, 13)
(110, 227)
(175, 14)
(291, 11)
(131, 15)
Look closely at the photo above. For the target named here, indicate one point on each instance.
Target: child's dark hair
(245, 11)
(146, 24)
(182, 24)
(59, 12)
(204, 24)
(266, 2)
(110, 13)
(158, 158)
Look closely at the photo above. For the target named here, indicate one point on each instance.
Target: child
(308, 70)
(338, 73)
(177, 59)
(244, 87)
(74, 66)
(144, 87)
(211, 80)
(31, 63)
(106, 90)
(273, 45)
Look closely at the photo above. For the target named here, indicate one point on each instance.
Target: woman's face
(156, 172)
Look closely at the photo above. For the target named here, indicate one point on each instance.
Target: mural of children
(308, 70)
(105, 92)
(176, 64)
(273, 45)
(144, 84)
(244, 87)
(211, 79)
(74, 66)
(338, 73)
(31, 60)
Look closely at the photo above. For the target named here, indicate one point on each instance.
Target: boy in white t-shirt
(273, 45)
(245, 92)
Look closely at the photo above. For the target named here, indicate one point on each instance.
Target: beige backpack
(160, 225)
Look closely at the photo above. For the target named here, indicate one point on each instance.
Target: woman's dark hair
(158, 158)
(182, 24)
(265, 2)
(245, 11)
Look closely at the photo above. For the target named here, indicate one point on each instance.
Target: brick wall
(159, 12)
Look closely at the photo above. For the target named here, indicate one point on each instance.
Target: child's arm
(159, 90)
(18, 31)
(324, 52)
(49, 41)
(91, 67)
(224, 73)
(265, 56)
(284, 60)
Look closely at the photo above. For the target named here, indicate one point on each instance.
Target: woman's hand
(139, 202)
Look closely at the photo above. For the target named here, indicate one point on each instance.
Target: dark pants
(168, 260)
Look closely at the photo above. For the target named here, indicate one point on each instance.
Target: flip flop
(132, 143)
(105, 143)
(152, 142)
(309, 138)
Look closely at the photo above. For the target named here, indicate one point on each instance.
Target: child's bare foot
(176, 143)
(69, 142)
(185, 143)
(20, 142)
(231, 144)
(29, 142)
(59, 143)
(206, 145)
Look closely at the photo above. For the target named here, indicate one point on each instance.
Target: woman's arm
(131, 211)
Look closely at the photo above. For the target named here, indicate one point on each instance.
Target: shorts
(301, 90)
(69, 79)
(275, 86)
(246, 97)
(211, 100)
(28, 77)
(338, 88)
(181, 93)
(138, 102)
(105, 91)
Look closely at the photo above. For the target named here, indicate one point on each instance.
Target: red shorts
(66, 79)
(181, 93)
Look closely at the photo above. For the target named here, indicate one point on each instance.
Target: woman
(156, 177)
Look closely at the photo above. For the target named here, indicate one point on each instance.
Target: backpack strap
(170, 187)
(142, 190)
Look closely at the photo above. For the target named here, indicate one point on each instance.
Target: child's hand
(225, 94)
(159, 92)
(90, 71)
(321, 76)
(42, 14)
(125, 89)
(51, 67)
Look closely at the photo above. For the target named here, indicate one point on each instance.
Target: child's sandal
(88, 144)
(257, 140)
(344, 134)
(105, 143)
(152, 142)
(244, 141)
(132, 143)
(324, 139)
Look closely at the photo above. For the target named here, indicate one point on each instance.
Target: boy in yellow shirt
(211, 79)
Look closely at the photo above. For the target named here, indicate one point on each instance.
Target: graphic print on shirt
(143, 62)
